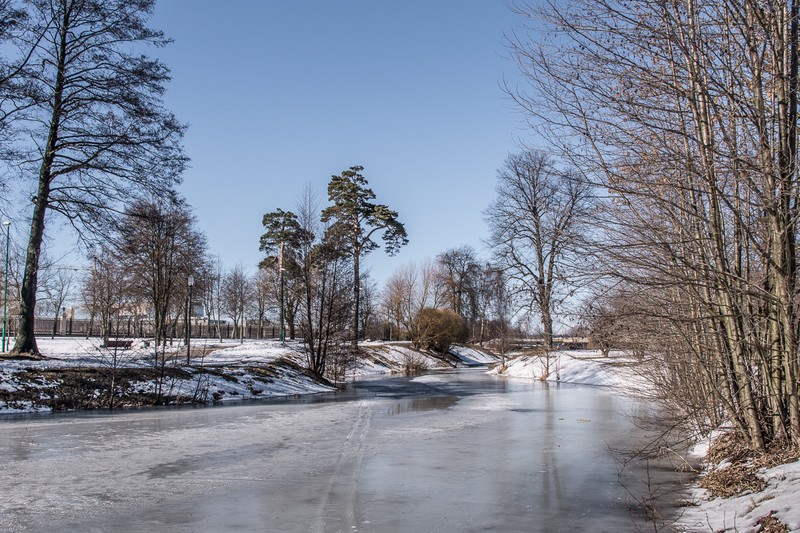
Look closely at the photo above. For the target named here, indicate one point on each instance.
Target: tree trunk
(356, 294)
(25, 339)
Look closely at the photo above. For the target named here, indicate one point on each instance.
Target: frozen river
(451, 452)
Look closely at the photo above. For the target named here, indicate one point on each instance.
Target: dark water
(456, 452)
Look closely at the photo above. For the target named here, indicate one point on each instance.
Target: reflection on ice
(410, 405)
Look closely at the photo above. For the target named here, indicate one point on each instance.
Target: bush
(438, 329)
(415, 363)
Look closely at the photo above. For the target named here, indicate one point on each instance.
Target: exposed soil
(84, 388)
(93, 388)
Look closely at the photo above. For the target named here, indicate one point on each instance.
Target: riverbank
(587, 367)
(80, 374)
(760, 494)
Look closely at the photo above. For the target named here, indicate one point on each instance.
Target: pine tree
(355, 219)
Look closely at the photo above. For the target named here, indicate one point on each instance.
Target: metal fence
(143, 328)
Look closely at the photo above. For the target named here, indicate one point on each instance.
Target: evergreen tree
(354, 220)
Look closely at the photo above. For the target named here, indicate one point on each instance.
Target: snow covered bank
(383, 357)
(587, 367)
(749, 511)
(78, 373)
(390, 357)
(473, 356)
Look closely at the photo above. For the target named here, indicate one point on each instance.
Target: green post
(280, 267)
(190, 283)
(7, 224)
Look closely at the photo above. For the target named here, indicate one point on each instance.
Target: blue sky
(279, 94)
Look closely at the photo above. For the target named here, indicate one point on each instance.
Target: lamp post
(281, 270)
(190, 282)
(7, 224)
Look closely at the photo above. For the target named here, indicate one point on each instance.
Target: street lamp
(190, 282)
(7, 224)
(281, 269)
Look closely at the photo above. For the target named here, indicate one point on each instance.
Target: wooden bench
(124, 344)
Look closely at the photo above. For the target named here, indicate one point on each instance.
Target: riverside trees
(686, 114)
(160, 248)
(354, 220)
(320, 253)
(536, 223)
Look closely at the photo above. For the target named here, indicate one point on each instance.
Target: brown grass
(770, 524)
(740, 475)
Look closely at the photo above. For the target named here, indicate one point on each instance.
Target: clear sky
(279, 94)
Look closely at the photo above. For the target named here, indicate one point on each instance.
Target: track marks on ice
(340, 493)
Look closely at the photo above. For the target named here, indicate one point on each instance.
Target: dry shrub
(770, 524)
(439, 329)
(414, 364)
(779, 456)
(740, 475)
(732, 480)
(728, 447)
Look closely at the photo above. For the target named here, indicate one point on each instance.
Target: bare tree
(105, 291)
(460, 270)
(502, 303)
(212, 299)
(687, 114)
(535, 226)
(160, 248)
(327, 307)
(57, 284)
(317, 275)
(490, 284)
(93, 133)
(13, 87)
(236, 293)
(409, 290)
(265, 282)
(326, 280)
(369, 305)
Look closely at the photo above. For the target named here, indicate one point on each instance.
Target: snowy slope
(588, 367)
(473, 356)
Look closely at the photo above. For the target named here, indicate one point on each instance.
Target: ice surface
(464, 452)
